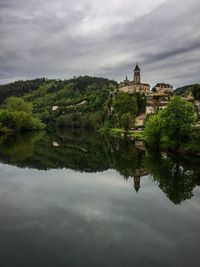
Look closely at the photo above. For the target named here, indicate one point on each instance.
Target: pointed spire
(137, 67)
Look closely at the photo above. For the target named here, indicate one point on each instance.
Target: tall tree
(177, 119)
(125, 103)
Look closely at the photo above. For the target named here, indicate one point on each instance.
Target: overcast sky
(63, 38)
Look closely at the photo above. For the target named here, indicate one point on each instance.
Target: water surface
(76, 199)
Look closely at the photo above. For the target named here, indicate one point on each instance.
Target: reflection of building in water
(136, 178)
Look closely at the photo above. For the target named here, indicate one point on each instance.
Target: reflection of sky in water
(67, 218)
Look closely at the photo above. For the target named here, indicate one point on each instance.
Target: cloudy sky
(63, 38)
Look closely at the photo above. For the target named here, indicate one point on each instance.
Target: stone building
(158, 97)
(157, 100)
(134, 86)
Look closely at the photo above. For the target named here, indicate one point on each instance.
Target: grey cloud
(62, 39)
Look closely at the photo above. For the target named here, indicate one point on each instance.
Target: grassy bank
(120, 133)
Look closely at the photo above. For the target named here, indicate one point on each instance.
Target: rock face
(139, 121)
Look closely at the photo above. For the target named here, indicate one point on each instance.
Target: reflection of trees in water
(174, 177)
(19, 147)
(87, 151)
(127, 160)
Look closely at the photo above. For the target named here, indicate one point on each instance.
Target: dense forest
(76, 102)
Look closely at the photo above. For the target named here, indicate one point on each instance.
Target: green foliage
(173, 176)
(137, 136)
(110, 133)
(19, 120)
(17, 116)
(178, 119)
(76, 120)
(120, 104)
(127, 121)
(81, 100)
(65, 120)
(125, 103)
(172, 125)
(19, 88)
(141, 103)
(153, 131)
(17, 104)
(7, 119)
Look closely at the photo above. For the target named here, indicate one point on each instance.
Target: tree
(125, 103)
(175, 179)
(177, 120)
(171, 125)
(141, 102)
(153, 131)
(7, 119)
(127, 121)
(18, 104)
(65, 120)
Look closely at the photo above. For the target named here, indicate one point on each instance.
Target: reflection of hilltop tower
(137, 77)
(136, 183)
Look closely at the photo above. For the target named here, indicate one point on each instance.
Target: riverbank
(191, 147)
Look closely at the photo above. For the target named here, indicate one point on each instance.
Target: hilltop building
(157, 98)
(134, 86)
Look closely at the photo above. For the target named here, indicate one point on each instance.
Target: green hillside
(74, 102)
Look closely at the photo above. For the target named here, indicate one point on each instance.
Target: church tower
(137, 78)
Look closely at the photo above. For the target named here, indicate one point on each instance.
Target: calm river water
(76, 199)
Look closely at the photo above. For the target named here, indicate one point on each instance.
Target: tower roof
(137, 67)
